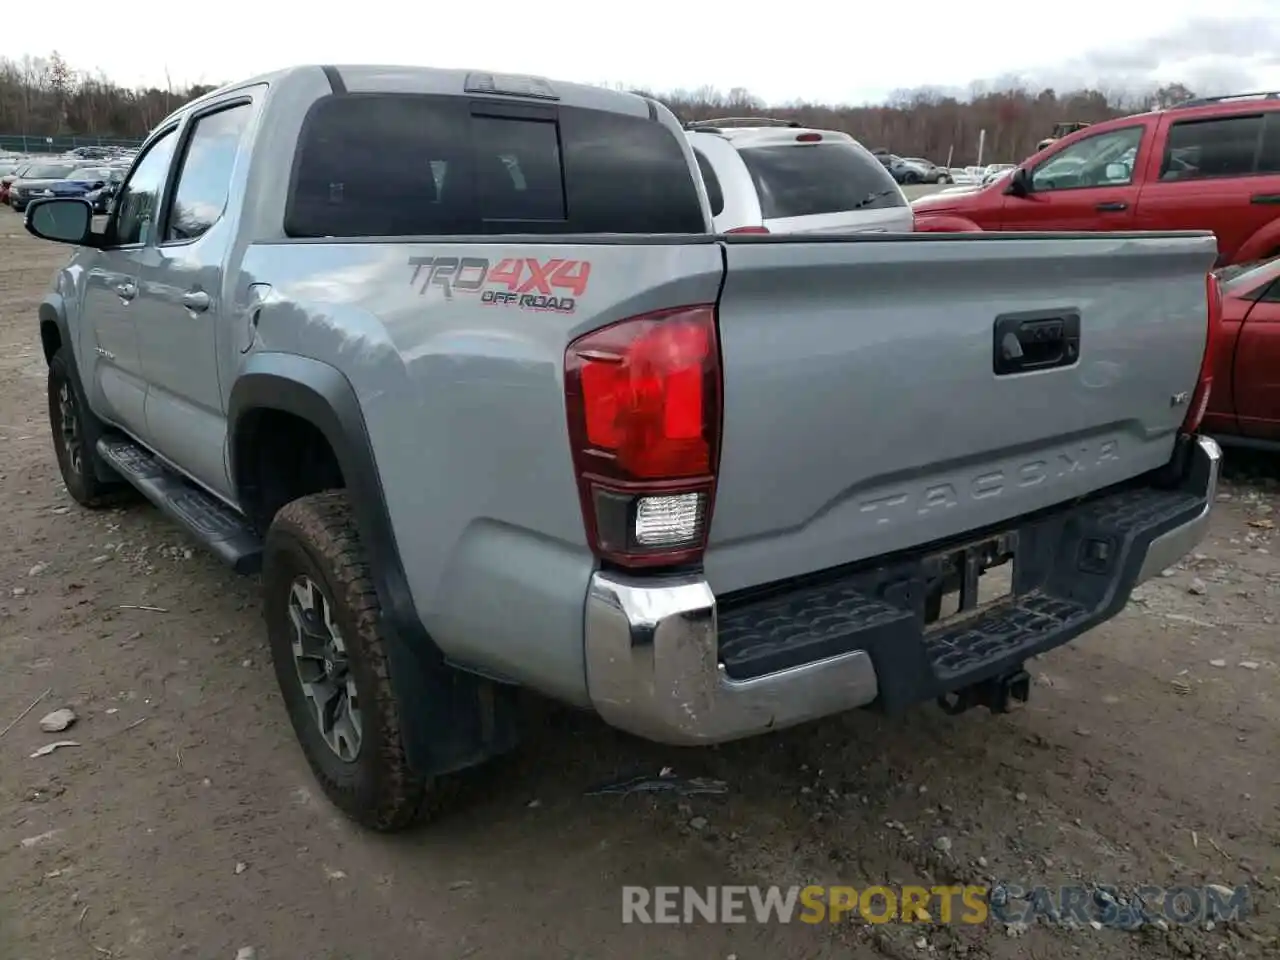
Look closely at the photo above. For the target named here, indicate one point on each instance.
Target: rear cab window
(394, 164)
(801, 180)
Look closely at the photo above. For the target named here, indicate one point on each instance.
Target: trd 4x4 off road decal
(525, 282)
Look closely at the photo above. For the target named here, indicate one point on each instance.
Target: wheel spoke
(320, 659)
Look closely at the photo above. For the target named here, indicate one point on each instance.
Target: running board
(202, 515)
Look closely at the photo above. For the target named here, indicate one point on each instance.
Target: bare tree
(45, 96)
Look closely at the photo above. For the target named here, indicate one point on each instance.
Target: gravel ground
(184, 822)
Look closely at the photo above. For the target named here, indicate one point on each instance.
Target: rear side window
(1225, 147)
(1269, 155)
(388, 165)
(809, 179)
(715, 193)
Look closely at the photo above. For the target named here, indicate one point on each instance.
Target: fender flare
(1265, 240)
(53, 312)
(452, 719)
(944, 223)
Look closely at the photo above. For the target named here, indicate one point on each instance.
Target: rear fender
(452, 719)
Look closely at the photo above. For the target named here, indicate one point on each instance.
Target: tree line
(46, 96)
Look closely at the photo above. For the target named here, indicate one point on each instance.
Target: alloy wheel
(320, 657)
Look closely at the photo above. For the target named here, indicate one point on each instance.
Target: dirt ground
(184, 822)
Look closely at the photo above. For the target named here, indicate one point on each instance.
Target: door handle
(127, 290)
(196, 300)
(1112, 206)
(1265, 198)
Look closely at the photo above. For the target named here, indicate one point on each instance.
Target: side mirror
(1019, 183)
(62, 220)
(1117, 171)
(99, 184)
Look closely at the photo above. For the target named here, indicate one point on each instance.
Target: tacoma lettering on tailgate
(942, 495)
(524, 282)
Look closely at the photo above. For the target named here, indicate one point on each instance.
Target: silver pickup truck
(456, 361)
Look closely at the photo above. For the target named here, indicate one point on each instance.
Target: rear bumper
(666, 662)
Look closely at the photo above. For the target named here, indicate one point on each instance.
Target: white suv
(774, 176)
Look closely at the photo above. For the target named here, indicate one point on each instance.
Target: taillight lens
(644, 399)
(1204, 386)
(748, 230)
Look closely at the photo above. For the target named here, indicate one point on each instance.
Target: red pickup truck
(1244, 404)
(1210, 164)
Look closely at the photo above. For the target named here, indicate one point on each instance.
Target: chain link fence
(31, 143)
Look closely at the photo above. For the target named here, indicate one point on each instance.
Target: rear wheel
(911, 178)
(75, 430)
(324, 626)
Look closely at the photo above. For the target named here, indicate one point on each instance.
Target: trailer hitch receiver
(998, 694)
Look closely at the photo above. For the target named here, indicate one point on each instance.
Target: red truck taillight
(644, 400)
(1204, 386)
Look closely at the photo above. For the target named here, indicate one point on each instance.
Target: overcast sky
(818, 50)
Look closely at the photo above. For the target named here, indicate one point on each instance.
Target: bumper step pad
(1074, 568)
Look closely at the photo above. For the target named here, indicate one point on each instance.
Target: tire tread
(325, 524)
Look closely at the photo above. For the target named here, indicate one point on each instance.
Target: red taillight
(643, 398)
(748, 230)
(1204, 386)
(809, 137)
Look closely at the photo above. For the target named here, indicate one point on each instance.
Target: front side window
(139, 197)
(204, 181)
(1224, 147)
(1102, 160)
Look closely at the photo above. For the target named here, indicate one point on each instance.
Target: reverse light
(643, 398)
(1213, 334)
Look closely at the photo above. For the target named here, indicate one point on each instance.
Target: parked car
(965, 176)
(1244, 405)
(996, 171)
(903, 171)
(930, 171)
(39, 179)
(708, 484)
(6, 181)
(1208, 164)
(87, 182)
(99, 185)
(777, 177)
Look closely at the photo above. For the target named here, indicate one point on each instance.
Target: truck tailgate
(863, 409)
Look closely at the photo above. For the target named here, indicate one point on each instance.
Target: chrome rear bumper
(653, 659)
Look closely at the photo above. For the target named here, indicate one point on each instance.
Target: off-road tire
(316, 537)
(83, 484)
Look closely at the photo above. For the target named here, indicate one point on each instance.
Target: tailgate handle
(1038, 340)
(1266, 198)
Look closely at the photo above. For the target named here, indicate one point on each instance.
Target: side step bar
(203, 516)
